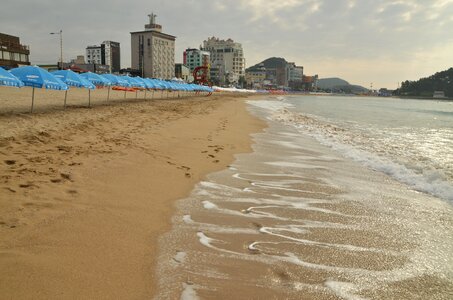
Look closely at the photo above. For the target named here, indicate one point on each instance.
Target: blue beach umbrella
(72, 79)
(115, 80)
(148, 84)
(160, 84)
(153, 85)
(8, 79)
(37, 77)
(135, 83)
(96, 80)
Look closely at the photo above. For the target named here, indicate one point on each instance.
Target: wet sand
(86, 192)
(296, 220)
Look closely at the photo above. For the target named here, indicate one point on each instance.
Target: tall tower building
(152, 51)
(227, 59)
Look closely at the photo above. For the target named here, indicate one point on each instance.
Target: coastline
(86, 194)
(296, 217)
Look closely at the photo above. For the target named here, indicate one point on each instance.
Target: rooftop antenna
(152, 18)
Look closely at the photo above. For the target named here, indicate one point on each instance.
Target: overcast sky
(362, 41)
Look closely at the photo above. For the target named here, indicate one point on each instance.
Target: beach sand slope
(85, 193)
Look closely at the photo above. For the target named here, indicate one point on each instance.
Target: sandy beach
(86, 192)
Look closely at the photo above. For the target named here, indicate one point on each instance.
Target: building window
(149, 42)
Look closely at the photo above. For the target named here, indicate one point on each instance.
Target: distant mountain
(270, 63)
(330, 83)
(425, 87)
(339, 85)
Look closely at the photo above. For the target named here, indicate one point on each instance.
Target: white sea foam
(188, 292)
(286, 144)
(204, 240)
(349, 143)
(269, 105)
(344, 290)
(180, 256)
(187, 219)
(209, 205)
(271, 231)
(294, 165)
(429, 182)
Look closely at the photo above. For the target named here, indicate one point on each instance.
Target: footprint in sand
(26, 185)
(66, 176)
(10, 189)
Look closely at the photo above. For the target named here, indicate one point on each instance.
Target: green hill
(330, 83)
(425, 87)
(339, 85)
(270, 63)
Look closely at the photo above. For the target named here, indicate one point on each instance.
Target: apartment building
(108, 53)
(227, 60)
(12, 52)
(196, 58)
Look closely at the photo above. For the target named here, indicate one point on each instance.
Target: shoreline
(86, 194)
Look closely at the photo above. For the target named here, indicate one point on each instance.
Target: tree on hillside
(425, 87)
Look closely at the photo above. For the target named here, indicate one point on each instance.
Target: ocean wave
(367, 151)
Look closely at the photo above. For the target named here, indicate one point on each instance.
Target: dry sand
(85, 192)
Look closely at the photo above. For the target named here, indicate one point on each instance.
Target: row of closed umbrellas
(36, 77)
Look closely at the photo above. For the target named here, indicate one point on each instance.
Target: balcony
(10, 46)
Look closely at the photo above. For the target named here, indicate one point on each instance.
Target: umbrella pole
(152, 95)
(162, 94)
(124, 94)
(89, 97)
(167, 94)
(32, 99)
(136, 92)
(145, 92)
(65, 96)
(108, 94)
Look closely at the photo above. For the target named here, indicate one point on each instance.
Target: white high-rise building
(153, 52)
(227, 59)
(108, 53)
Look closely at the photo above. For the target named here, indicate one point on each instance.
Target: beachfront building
(196, 58)
(295, 76)
(12, 52)
(255, 77)
(310, 82)
(227, 60)
(183, 72)
(153, 52)
(108, 53)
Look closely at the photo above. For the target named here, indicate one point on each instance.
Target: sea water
(410, 140)
(341, 198)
